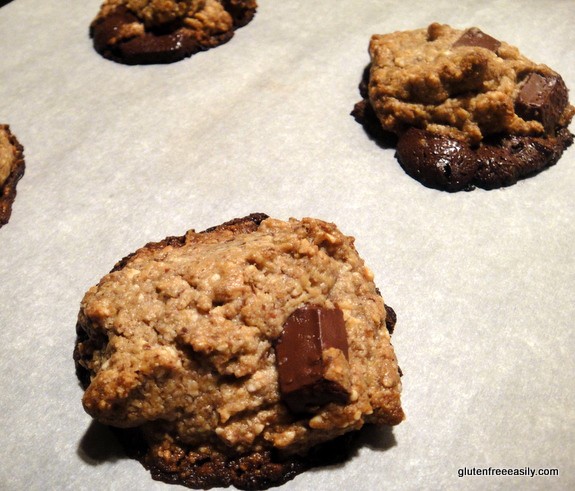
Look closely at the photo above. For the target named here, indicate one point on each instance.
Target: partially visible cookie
(463, 108)
(11, 170)
(165, 31)
(239, 355)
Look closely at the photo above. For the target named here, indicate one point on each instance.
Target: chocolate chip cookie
(11, 170)
(463, 108)
(229, 356)
(165, 31)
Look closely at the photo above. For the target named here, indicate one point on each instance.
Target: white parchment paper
(117, 156)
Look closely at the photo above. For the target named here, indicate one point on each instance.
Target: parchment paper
(117, 156)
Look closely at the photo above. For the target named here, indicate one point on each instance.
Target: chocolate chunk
(476, 37)
(542, 98)
(312, 354)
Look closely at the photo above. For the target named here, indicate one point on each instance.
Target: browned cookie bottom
(258, 470)
(448, 164)
(15, 155)
(452, 165)
(254, 471)
(113, 37)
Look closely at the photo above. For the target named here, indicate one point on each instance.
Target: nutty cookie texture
(463, 109)
(11, 171)
(139, 32)
(230, 356)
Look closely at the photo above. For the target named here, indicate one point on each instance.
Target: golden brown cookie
(227, 357)
(164, 31)
(11, 170)
(464, 108)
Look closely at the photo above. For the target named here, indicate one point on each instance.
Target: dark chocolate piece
(302, 369)
(542, 98)
(476, 37)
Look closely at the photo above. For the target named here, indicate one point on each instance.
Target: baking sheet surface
(118, 156)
